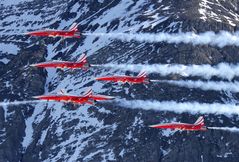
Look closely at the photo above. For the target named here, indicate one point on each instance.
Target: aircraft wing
(165, 126)
(170, 125)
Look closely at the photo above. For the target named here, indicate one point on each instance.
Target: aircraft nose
(100, 78)
(36, 97)
(152, 126)
(33, 65)
(27, 33)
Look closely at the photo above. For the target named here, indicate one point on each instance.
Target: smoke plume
(190, 107)
(220, 39)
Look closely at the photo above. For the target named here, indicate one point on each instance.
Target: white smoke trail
(221, 39)
(204, 85)
(230, 129)
(190, 107)
(19, 102)
(222, 70)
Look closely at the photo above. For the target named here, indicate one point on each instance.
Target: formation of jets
(88, 97)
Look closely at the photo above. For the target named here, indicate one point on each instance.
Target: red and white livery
(82, 63)
(197, 126)
(140, 78)
(72, 32)
(87, 98)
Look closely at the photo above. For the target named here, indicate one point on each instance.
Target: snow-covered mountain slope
(212, 10)
(109, 132)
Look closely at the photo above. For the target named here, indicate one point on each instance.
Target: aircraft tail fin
(200, 121)
(82, 58)
(89, 92)
(142, 74)
(74, 27)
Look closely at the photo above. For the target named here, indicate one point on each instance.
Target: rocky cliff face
(107, 132)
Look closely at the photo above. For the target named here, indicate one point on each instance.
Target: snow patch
(29, 126)
(9, 48)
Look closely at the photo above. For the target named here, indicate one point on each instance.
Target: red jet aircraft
(88, 98)
(197, 126)
(140, 78)
(82, 63)
(72, 32)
